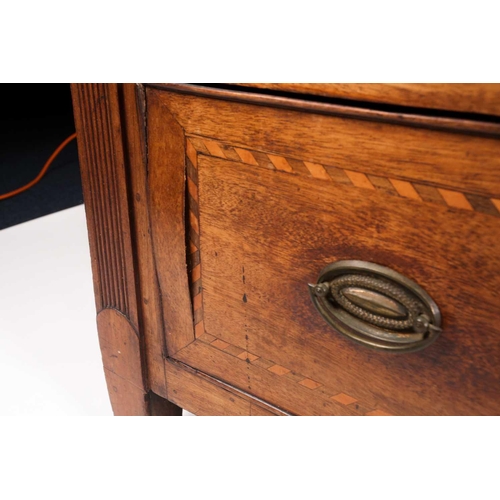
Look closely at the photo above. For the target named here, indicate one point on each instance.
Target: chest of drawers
(273, 249)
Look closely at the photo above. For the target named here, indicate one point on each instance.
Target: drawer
(249, 202)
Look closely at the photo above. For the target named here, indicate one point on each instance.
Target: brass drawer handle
(376, 306)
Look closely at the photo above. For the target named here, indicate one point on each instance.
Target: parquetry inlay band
(282, 371)
(396, 187)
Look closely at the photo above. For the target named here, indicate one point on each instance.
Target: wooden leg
(101, 139)
(161, 407)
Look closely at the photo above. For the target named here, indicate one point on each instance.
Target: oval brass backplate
(376, 306)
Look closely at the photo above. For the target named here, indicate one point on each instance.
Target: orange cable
(42, 172)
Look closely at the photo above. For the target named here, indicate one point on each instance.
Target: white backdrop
(50, 363)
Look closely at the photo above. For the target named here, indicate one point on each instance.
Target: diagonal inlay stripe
(193, 220)
(278, 370)
(359, 179)
(214, 148)
(194, 259)
(317, 171)
(338, 175)
(197, 302)
(429, 193)
(280, 163)
(299, 167)
(192, 248)
(196, 273)
(455, 199)
(263, 160)
(405, 189)
(199, 146)
(192, 189)
(234, 350)
(246, 156)
(382, 184)
(310, 384)
(199, 329)
(482, 204)
(230, 153)
(245, 355)
(220, 344)
(345, 399)
(191, 153)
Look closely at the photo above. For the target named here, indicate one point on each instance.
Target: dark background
(34, 120)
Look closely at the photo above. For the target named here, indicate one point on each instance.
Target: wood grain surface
(203, 395)
(448, 160)
(133, 122)
(280, 194)
(465, 97)
(486, 126)
(101, 152)
(210, 211)
(391, 186)
(264, 236)
(121, 357)
(167, 181)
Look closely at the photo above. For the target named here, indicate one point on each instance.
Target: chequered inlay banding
(396, 187)
(282, 371)
(193, 251)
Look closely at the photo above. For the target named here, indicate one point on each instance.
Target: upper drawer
(264, 198)
(358, 140)
(461, 97)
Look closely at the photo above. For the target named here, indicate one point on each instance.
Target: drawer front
(272, 196)
(464, 97)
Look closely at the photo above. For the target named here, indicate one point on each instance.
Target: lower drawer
(264, 219)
